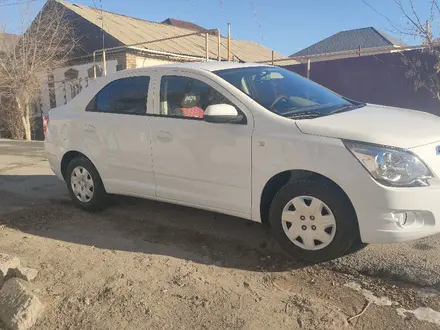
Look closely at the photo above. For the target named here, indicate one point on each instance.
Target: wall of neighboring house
(377, 79)
(139, 61)
(66, 88)
(148, 61)
(67, 83)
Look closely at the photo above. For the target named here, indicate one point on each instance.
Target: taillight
(45, 123)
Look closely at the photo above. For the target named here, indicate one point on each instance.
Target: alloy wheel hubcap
(82, 184)
(309, 223)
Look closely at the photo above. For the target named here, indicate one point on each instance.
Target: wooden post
(272, 56)
(104, 62)
(219, 45)
(94, 65)
(308, 68)
(229, 42)
(207, 46)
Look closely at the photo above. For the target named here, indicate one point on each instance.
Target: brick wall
(130, 61)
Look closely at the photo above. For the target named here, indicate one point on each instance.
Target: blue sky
(284, 25)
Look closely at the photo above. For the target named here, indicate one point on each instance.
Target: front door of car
(118, 130)
(197, 162)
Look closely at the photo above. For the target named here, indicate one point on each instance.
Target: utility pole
(229, 42)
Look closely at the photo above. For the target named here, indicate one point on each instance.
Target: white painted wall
(59, 85)
(82, 73)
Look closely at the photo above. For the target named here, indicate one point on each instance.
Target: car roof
(208, 66)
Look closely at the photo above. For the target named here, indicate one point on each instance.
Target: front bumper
(375, 205)
(377, 224)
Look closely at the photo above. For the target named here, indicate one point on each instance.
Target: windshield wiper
(346, 107)
(306, 115)
(306, 109)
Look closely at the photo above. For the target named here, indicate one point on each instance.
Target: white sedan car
(256, 142)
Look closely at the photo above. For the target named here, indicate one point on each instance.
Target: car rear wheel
(85, 185)
(313, 220)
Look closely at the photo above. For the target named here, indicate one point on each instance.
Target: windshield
(286, 93)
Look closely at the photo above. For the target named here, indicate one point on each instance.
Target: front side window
(286, 93)
(187, 97)
(123, 96)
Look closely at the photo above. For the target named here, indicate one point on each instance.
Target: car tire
(85, 185)
(313, 220)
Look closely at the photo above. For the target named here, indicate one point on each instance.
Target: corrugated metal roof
(350, 40)
(183, 24)
(129, 30)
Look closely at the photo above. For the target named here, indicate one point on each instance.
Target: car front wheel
(313, 220)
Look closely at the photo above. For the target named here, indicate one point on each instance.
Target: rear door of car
(117, 133)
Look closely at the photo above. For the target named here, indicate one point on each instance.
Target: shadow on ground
(138, 225)
(39, 205)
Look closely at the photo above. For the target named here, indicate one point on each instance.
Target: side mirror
(220, 113)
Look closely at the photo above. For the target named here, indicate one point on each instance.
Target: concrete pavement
(10, 147)
(25, 178)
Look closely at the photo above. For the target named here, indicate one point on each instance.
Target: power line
(102, 21)
(102, 25)
(257, 22)
(18, 2)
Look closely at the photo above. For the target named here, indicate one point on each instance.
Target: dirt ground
(148, 265)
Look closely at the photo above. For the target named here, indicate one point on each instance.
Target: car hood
(390, 126)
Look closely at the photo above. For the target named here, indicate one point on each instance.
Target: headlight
(391, 166)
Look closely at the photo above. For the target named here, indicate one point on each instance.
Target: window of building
(91, 71)
(71, 77)
(124, 96)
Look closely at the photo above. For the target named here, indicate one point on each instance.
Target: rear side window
(125, 96)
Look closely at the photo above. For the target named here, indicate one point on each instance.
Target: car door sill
(246, 216)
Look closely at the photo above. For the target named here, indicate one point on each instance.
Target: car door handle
(89, 128)
(164, 136)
